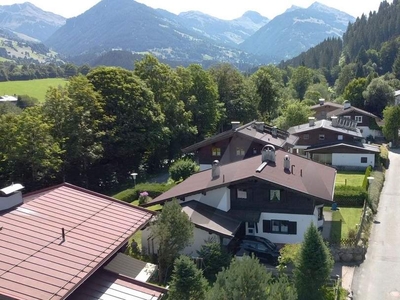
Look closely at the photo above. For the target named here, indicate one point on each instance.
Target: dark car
(262, 248)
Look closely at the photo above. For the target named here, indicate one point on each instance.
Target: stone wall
(349, 254)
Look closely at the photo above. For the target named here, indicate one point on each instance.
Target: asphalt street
(378, 277)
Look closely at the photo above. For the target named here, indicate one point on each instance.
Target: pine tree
(396, 66)
(313, 267)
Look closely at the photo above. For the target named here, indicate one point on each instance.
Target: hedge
(384, 156)
(350, 196)
(182, 169)
(367, 174)
(153, 189)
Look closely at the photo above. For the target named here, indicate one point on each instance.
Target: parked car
(262, 248)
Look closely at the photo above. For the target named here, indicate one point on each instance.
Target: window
(242, 194)
(347, 117)
(358, 119)
(216, 151)
(255, 151)
(322, 137)
(280, 226)
(340, 137)
(306, 136)
(320, 213)
(364, 160)
(240, 151)
(275, 195)
(252, 228)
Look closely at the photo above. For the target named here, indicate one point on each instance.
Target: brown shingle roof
(309, 177)
(333, 104)
(342, 111)
(36, 263)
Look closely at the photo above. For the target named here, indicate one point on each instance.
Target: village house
(66, 242)
(240, 142)
(275, 195)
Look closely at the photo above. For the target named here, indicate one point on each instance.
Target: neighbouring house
(10, 99)
(66, 242)
(240, 142)
(275, 195)
(365, 121)
(336, 142)
(397, 97)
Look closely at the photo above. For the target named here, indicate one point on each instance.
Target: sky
(223, 9)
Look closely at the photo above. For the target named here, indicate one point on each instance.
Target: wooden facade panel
(366, 120)
(323, 110)
(259, 197)
(329, 137)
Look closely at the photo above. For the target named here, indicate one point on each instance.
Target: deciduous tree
(391, 117)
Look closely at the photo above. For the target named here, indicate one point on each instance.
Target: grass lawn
(344, 219)
(35, 88)
(349, 178)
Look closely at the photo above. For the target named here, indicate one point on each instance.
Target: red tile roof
(36, 263)
(308, 177)
(107, 285)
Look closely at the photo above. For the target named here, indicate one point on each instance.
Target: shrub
(143, 197)
(384, 156)
(182, 169)
(375, 188)
(365, 180)
(153, 190)
(350, 196)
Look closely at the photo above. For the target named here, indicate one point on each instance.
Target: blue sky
(223, 9)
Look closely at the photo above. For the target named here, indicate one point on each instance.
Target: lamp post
(134, 178)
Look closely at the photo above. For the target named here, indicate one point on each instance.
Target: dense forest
(110, 121)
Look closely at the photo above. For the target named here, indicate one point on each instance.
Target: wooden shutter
(292, 228)
(266, 225)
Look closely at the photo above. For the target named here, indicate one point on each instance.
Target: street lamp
(134, 178)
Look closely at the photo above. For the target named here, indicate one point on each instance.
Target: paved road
(378, 277)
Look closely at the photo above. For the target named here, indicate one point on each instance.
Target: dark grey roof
(360, 146)
(326, 124)
(342, 111)
(326, 104)
(210, 218)
(250, 132)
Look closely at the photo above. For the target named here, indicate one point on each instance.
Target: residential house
(240, 142)
(275, 195)
(9, 99)
(336, 142)
(365, 121)
(66, 242)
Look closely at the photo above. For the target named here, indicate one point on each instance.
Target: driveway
(378, 277)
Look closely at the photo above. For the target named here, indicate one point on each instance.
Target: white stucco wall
(352, 160)
(218, 198)
(366, 131)
(303, 221)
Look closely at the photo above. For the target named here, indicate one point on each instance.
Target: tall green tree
(378, 95)
(313, 266)
(354, 92)
(135, 121)
(267, 91)
(203, 102)
(396, 66)
(187, 281)
(295, 113)
(300, 80)
(391, 127)
(166, 86)
(172, 231)
(346, 75)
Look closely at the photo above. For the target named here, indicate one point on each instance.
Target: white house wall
(366, 132)
(352, 159)
(303, 221)
(218, 198)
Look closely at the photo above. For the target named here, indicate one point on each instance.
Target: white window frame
(358, 119)
(216, 151)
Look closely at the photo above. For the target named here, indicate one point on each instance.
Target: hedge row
(384, 156)
(367, 174)
(153, 189)
(350, 196)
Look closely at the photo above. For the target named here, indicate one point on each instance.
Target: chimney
(334, 121)
(215, 169)
(321, 101)
(274, 131)
(235, 124)
(11, 196)
(346, 104)
(268, 154)
(260, 126)
(286, 163)
(311, 121)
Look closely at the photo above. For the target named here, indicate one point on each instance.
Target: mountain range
(188, 37)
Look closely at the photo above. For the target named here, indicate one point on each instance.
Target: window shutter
(292, 228)
(267, 225)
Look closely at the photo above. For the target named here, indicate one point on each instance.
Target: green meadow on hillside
(35, 88)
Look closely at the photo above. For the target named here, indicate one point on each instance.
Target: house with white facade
(275, 195)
